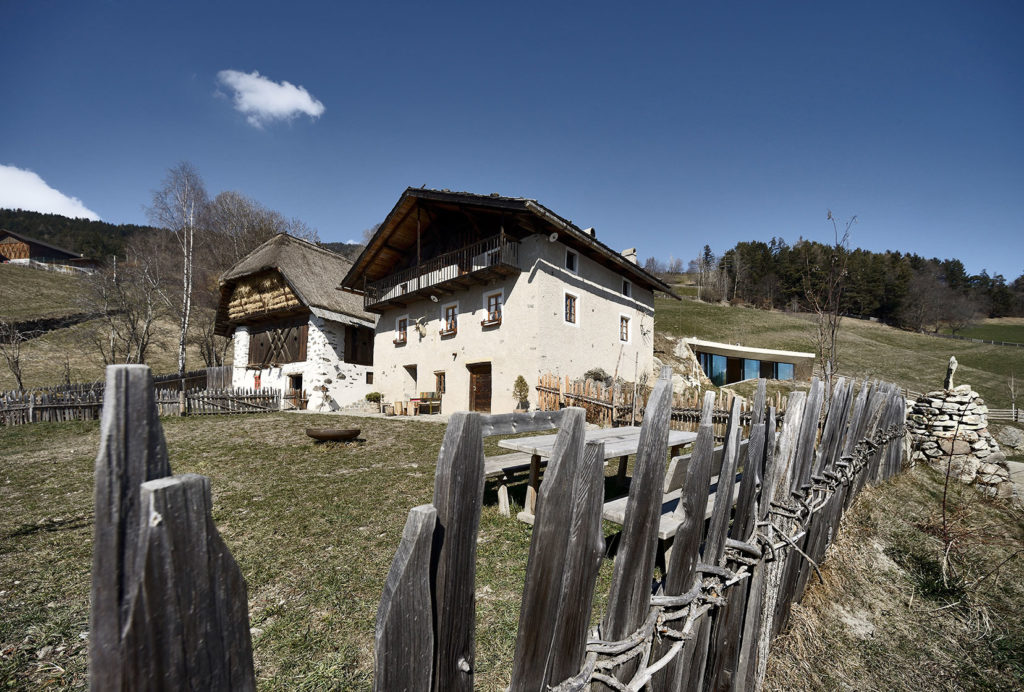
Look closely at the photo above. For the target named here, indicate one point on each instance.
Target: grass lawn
(26, 293)
(867, 349)
(1009, 329)
(313, 527)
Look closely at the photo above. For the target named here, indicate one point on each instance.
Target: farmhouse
(21, 249)
(293, 330)
(475, 290)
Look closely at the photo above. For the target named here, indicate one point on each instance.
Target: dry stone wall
(949, 428)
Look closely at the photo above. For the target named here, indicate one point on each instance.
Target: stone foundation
(950, 427)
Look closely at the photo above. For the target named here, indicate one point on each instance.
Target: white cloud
(263, 100)
(23, 189)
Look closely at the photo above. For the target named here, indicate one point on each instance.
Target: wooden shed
(293, 330)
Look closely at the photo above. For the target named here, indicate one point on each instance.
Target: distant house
(728, 363)
(475, 290)
(21, 249)
(293, 329)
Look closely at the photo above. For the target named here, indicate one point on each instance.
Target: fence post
(153, 534)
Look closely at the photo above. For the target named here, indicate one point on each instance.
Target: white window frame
(398, 319)
(488, 294)
(566, 294)
(629, 328)
(576, 263)
(627, 288)
(444, 319)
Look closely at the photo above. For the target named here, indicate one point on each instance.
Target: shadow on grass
(50, 525)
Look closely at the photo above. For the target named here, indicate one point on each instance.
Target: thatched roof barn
(285, 276)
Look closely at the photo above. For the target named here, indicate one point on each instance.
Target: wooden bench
(671, 512)
(504, 466)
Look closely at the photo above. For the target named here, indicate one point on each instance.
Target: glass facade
(723, 370)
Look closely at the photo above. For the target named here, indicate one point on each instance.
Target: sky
(665, 127)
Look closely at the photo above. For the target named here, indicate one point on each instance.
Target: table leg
(620, 477)
(675, 451)
(534, 486)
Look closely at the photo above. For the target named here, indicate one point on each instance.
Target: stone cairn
(950, 427)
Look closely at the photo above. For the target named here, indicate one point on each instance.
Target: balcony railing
(495, 253)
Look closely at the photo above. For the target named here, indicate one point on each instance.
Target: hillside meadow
(867, 349)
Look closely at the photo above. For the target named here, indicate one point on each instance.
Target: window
(570, 308)
(401, 329)
(369, 377)
(439, 382)
(627, 288)
(274, 343)
(571, 261)
(492, 304)
(450, 315)
(624, 329)
(358, 345)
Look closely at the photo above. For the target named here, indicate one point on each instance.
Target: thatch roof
(307, 269)
(396, 236)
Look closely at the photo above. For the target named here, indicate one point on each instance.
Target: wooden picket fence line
(708, 622)
(59, 405)
(200, 402)
(19, 408)
(609, 406)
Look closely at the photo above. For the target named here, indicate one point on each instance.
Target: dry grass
(313, 527)
(884, 619)
(26, 293)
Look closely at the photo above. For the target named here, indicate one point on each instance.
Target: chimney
(630, 254)
(590, 231)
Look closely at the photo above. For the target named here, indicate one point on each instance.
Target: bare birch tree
(178, 206)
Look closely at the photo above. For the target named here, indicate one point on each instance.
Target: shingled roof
(308, 270)
(388, 244)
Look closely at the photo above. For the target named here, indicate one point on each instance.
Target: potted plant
(521, 393)
(374, 397)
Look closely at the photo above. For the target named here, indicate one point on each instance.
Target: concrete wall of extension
(329, 382)
(533, 337)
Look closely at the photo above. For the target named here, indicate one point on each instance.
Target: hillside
(867, 349)
(95, 239)
(26, 293)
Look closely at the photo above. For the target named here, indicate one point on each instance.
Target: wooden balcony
(476, 264)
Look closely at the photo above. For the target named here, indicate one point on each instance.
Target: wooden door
(480, 387)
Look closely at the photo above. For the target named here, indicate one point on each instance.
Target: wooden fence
(85, 401)
(614, 405)
(218, 401)
(169, 609)
(708, 621)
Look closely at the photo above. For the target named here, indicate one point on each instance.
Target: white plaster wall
(324, 367)
(532, 338)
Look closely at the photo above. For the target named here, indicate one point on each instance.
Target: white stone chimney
(630, 254)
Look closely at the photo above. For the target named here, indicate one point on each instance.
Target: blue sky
(663, 126)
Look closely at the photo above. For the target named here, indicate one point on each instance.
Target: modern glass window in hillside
(728, 369)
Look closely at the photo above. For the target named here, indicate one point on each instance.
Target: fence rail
(614, 405)
(85, 401)
(707, 622)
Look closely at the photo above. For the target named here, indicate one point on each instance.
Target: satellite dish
(553, 237)
(433, 298)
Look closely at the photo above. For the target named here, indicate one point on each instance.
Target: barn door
(480, 387)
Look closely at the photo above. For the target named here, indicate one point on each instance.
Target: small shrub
(597, 374)
(374, 397)
(521, 390)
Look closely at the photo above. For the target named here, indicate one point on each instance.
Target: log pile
(258, 295)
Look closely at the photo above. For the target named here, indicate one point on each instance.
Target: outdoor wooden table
(618, 442)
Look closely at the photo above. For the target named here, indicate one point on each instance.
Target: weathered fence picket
(708, 622)
(169, 609)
